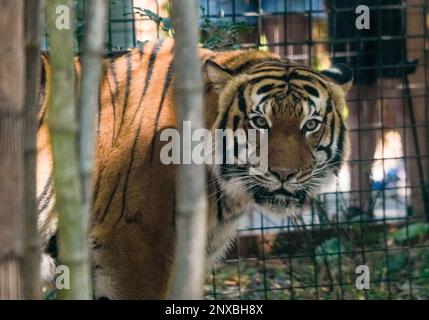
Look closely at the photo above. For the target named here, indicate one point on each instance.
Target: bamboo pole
(12, 82)
(32, 284)
(191, 203)
(62, 121)
(93, 51)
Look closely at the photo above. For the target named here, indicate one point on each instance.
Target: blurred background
(377, 211)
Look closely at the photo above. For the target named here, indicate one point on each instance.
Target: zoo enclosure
(376, 213)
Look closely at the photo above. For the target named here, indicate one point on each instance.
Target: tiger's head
(298, 108)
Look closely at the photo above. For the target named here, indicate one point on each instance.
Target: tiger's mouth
(279, 197)
(273, 196)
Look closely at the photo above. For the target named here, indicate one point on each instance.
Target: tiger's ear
(340, 74)
(216, 74)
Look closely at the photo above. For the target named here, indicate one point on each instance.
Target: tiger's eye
(260, 122)
(311, 125)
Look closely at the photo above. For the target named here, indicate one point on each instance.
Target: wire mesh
(372, 214)
(377, 211)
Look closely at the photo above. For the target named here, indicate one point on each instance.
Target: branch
(191, 200)
(62, 121)
(32, 284)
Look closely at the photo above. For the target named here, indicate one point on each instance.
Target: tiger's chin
(279, 202)
(258, 197)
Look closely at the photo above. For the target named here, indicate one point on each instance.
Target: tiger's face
(300, 111)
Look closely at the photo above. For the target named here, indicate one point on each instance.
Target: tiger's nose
(284, 174)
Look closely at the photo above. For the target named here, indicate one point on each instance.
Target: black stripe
(130, 165)
(42, 119)
(297, 76)
(134, 146)
(254, 63)
(242, 100)
(112, 195)
(141, 47)
(52, 246)
(167, 82)
(97, 184)
(304, 69)
(327, 148)
(224, 151)
(265, 88)
(224, 120)
(236, 121)
(47, 201)
(340, 144)
(236, 145)
(267, 71)
(127, 94)
(152, 60)
(341, 135)
(45, 189)
(311, 90)
(329, 105)
(149, 72)
(268, 77)
(42, 94)
(262, 100)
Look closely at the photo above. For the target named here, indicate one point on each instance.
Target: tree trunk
(62, 121)
(191, 206)
(32, 284)
(93, 51)
(12, 81)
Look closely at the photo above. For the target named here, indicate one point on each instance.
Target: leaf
(397, 262)
(414, 231)
(330, 250)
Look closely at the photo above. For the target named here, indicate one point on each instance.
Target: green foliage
(294, 278)
(215, 35)
(397, 261)
(330, 250)
(222, 34)
(163, 23)
(410, 232)
(50, 295)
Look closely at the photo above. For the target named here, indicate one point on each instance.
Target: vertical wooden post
(12, 82)
(63, 126)
(93, 51)
(32, 284)
(191, 203)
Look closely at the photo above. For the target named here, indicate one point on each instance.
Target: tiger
(132, 224)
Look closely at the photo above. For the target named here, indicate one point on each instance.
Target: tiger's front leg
(134, 262)
(132, 234)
